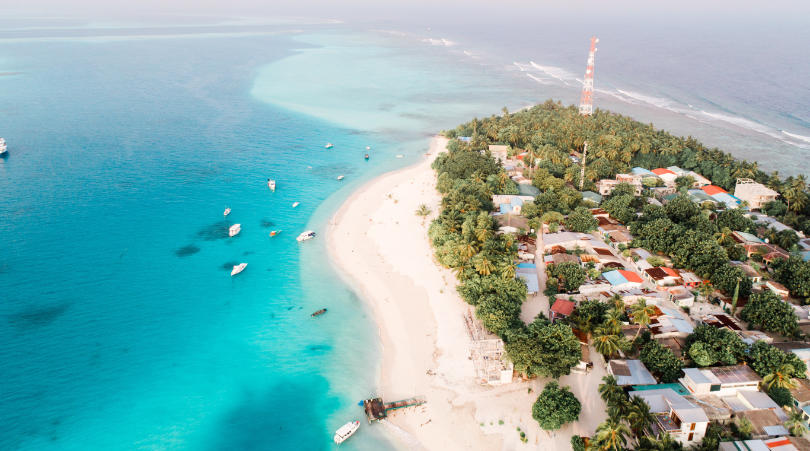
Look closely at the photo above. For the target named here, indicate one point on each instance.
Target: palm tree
(508, 269)
(795, 422)
(611, 435)
(613, 321)
(606, 342)
(641, 314)
(639, 415)
(483, 265)
(780, 377)
(609, 390)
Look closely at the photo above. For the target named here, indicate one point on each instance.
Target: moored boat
(295, 204)
(368, 147)
(238, 268)
(271, 184)
(308, 235)
(318, 313)
(340, 177)
(366, 157)
(346, 431)
(234, 230)
(274, 232)
(226, 212)
(329, 145)
(3, 148)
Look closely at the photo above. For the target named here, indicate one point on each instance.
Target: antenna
(586, 102)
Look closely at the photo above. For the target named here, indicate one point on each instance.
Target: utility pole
(586, 102)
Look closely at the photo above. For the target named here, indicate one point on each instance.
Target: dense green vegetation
(708, 345)
(555, 407)
(794, 274)
(661, 361)
(766, 311)
(464, 238)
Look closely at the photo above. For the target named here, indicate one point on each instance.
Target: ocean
(120, 326)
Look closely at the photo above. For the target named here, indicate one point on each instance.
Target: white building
(721, 380)
(675, 415)
(756, 194)
(499, 152)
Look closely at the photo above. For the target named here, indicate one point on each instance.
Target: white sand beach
(381, 247)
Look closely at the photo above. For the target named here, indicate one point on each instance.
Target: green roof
(527, 190)
(591, 196)
(678, 388)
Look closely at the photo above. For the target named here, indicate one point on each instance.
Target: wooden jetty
(377, 410)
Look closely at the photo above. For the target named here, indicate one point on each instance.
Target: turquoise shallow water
(120, 326)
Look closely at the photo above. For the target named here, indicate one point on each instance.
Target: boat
(295, 204)
(3, 148)
(238, 268)
(274, 232)
(340, 177)
(366, 156)
(226, 212)
(329, 145)
(319, 312)
(271, 184)
(308, 235)
(368, 147)
(400, 156)
(346, 431)
(234, 230)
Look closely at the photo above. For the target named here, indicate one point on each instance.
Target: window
(693, 427)
(690, 437)
(715, 388)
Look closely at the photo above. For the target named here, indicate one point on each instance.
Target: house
(630, 372)
(606, 186)
(670, 322)
(778, 288)
(775, 253)
(567, 240)
(746, 400)
(563, 258)
(674, 344)
(765, 423)
(720, 380)
(528, 272)
(720, 321)
(667, 175)
(681, 296)
(756, 194)
(510, 204)
(591, 197)
(698, 196)
(749, 271)
(675, 415)
(783, 443)
(499, 152)
(745, 238)
(711, 190)
(561, 309)
(619, 237)
(594, 287)
(622, 279)
(727, 199)
(690, 279)
(662, 276)
(801, 398)
(699, 179)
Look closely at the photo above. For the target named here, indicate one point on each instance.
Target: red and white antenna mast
(586, 102)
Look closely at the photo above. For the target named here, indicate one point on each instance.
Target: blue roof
(676, 387)
(614, 277)
(465, 139)
(675, 169)
(727, 199)
(638, 170)
(506, 208)
(530, 277)
(527, 265)
(806, 256)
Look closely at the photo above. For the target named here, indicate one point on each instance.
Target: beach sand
(381, 248)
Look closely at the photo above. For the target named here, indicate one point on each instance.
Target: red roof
(662, 171)
(630, 276)
(671, 271)
(778, 443)
(713, 189)
(563, 307)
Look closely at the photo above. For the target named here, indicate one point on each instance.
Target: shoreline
(379, 246)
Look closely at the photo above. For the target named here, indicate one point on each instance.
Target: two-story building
(675, 415)
(720, 380)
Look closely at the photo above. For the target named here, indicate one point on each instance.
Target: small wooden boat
(234, 230)
(271, 184)
(238, 268)
(346, 431)
(274, 232)
(329, 145)
(226, 212)
(340, 177)
(295, 204)
(366, 157)
(318, 313)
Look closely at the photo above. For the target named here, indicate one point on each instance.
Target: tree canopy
(555, 406)
(543, 349)
(661, 361)
(709, 345)
(766, 311)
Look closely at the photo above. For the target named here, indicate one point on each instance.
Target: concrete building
(756, 194)
(499, 152)
(675, 415)
(721, 380)
(662, 276)
(622, 279)
(630, 372)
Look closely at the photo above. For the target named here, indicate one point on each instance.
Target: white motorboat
(340, 177)
(308, 235)
(238, 268)
(234, 230)
(329, 145)
(295, 204)
(346, 431)
(400, 156)
(226, 212)
(3, 148)
(271, 184)
(368, 147)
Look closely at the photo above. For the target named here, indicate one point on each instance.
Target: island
(653, 296)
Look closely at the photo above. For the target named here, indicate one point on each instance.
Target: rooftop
(734, 374)
(713, 189)
(630, 372)
(563, 307)
(662, 171)
(802, 391)
(662, 400)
